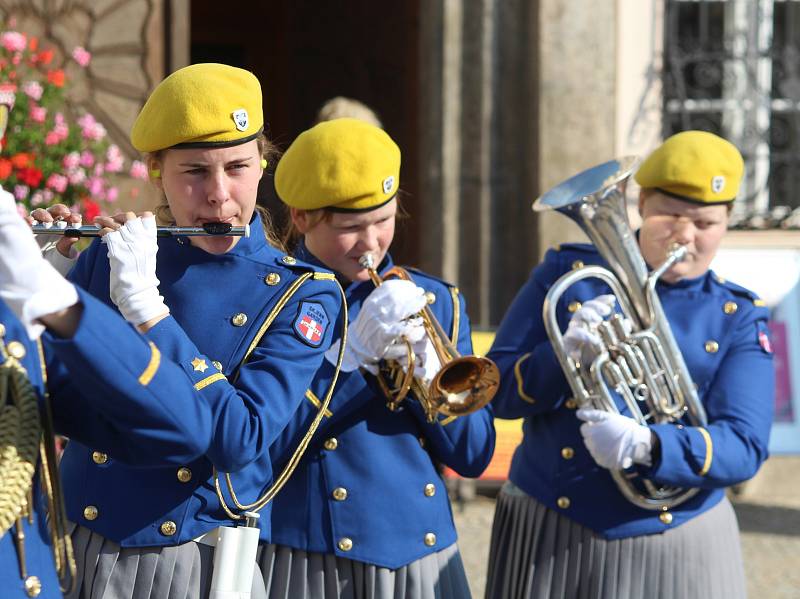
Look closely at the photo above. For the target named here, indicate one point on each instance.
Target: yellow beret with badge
(695, 166)
(344, 165)
(202, 105)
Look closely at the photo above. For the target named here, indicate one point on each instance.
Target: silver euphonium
(641, 363)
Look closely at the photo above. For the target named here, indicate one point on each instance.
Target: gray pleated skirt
(537, 553)
(106, 571)
(295, 574)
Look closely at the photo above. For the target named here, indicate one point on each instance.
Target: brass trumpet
(208, 229)
(463, 385)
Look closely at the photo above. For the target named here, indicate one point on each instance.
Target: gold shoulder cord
(19, 443)
(456, 315)
(62, 543)
(291, 465)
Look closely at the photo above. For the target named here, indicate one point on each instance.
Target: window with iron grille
(733, 67)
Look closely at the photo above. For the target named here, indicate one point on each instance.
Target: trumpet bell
(464, 385)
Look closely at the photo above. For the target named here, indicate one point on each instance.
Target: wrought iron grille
(733, 67)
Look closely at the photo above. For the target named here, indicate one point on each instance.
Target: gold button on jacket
(33, 586)
(571, 404)
(574, 307)
(98, 457)
(712, 346)
(730, 307)
(665, 517)
(272, 278)
(90, 512)
(331, 444)
(567, 453)
(430, 539)
(339, 493)
(239, 320)
(430, 490)
(168, 528)
(184, 474)
(16, 350)
(345, 544)
(288, 260)
(562, 502)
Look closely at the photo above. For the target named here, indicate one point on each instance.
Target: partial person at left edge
(87, 347)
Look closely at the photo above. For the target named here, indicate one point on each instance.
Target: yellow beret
(344, 164)
(202, 105)
(695, 166)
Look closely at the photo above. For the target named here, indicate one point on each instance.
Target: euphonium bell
(463, 385)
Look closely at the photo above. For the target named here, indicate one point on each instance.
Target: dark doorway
(305, 52)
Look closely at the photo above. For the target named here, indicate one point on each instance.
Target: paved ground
(769, 517)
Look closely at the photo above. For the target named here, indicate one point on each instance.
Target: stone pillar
(577, 91)
(477, 148)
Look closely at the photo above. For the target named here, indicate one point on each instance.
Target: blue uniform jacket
(106, 358)
(721, 329)
(368, 488)
(251, 357)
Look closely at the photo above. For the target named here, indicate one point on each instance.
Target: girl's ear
(300, 219)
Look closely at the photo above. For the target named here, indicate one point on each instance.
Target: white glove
(385, 319)
(615, 441)
(29, 285)
(426, 362)
(132, 255)
(581, 340)
(47, 245)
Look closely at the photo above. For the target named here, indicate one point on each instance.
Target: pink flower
(22, 210)
(95, 132)
(59, 119)
(38, 114)
(48, 195)
(95, 186)
(76, 176)
(138, 170)
(81, 56)
(57, 182)
(52, 138)
(112, 194)
(71, 161)
(99, 169)
(37, 199)
(21, 191)
(87, 159)
(90, 128)
(13, 41)
(115, 159)
(33, 89)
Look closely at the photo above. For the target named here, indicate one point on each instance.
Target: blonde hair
(266, 149)
(341, 107)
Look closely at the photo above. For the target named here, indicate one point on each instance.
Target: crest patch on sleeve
(311, 323)
(763, 337)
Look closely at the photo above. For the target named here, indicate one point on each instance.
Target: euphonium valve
(464, 384)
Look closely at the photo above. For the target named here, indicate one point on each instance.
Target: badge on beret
(717, 184)
(388, 184)
(311, 323)
(240, 118)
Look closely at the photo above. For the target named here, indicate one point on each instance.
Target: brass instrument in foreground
(644, 366)
(463, 385)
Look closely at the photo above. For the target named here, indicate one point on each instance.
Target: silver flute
(212, 229)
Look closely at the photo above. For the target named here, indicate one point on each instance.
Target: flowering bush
(46, 157)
